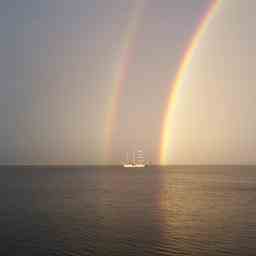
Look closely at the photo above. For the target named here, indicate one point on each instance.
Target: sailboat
(138, 160)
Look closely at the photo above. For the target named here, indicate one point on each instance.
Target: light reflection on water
(116, 211)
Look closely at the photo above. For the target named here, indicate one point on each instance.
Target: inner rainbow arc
(176, 84)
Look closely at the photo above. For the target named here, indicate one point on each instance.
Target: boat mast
(127, 158)
(134, 159)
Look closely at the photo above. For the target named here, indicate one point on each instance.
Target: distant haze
(57, 63)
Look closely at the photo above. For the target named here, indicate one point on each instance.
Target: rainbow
(120, 75)
(176, 84)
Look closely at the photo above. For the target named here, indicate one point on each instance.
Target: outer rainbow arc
(185, 62)
(120, 75)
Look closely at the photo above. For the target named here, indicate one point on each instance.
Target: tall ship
(137, 160)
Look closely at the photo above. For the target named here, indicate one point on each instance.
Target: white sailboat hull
(134, 165)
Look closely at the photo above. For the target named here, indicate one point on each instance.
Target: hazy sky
(57, 63)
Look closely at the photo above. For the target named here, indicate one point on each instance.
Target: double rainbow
(121, 73)
(178, 81)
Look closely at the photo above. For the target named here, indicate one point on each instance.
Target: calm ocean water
(115, 211)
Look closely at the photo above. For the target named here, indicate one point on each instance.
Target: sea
(88, 210)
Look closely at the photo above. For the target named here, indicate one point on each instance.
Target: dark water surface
(115, 211)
